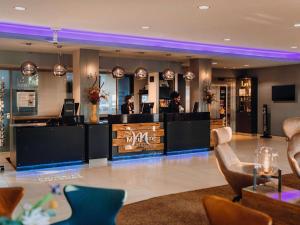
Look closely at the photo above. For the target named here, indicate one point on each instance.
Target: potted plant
(94, 96)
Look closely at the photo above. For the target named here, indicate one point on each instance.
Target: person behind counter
(174, 105)
(128, 106)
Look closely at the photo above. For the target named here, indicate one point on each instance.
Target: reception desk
(142, 135)
(47, 143)
(38, 145)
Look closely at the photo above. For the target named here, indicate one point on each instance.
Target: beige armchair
(238, 174)
(291, 128)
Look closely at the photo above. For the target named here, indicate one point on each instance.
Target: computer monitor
(68, 108)
(146, 107)
(196, 107)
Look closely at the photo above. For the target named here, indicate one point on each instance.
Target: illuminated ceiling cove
(9, 30)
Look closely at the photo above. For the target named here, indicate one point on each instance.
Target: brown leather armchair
(291, 128)
(9, 199)
(238, 174)
(221, 211)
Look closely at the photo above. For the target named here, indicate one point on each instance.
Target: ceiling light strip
(76, 36)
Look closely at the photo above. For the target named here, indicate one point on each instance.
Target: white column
(85, 66)
(153, 90)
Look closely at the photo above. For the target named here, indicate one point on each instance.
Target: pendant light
(141, 73)
(188, 76)
(29, 68)
(59, 69)
(168, 74)
(118, 72)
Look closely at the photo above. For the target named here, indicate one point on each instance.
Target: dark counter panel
(97, 140)
(187, 116)
(38, 146)
(187, 135)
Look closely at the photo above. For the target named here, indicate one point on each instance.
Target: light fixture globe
(59, 70)
(118, 72)
(168, 74)
(29, 68)
(141, 73)
(188, 76)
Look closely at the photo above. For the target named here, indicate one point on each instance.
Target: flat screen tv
(283, 93)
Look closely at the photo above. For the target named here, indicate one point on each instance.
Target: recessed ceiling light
(214, 63)
(294, 47)
(246, 65)
(20, 8)
(297, 25)
(203, 7)
(227, 39)
(145, 27)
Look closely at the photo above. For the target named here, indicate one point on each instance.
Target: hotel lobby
(149, 112)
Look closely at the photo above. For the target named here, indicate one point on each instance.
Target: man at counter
(128, 106)
(174, 105)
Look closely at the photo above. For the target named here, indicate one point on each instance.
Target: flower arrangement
(209, 96)
(95, 94)
(35, 214)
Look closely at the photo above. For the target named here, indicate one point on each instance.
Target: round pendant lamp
(188, 76)
(59, 70)
(168, 74)
(141, 73)
(29, 68)
(118, 72)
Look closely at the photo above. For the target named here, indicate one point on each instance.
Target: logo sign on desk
(137, 137)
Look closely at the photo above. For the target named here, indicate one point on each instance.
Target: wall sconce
(91, 75)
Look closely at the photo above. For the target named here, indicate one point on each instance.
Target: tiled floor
(143, 178)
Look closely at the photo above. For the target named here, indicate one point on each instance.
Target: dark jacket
(173, 107)
(127, 108)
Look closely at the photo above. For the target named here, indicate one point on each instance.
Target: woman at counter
(128, 106)
(175, 106)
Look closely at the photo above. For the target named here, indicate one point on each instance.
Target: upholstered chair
(93, 206)
(238, 174)
(9, 199)
(221, 211)
(291, 128)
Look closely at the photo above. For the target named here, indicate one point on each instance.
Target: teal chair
(92, 206)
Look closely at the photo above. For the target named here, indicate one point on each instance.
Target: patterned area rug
(182, 208)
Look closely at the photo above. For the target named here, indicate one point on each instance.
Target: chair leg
(236, 198)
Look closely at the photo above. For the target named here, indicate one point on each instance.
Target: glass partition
(108, 106)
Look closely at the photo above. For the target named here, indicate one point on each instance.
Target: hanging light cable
(59, 69)
(29, 68)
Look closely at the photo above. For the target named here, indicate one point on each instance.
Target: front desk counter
(38, 144)
(141, 135)
(187, 132)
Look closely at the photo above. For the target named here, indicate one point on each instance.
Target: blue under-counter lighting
(189, 151)
(49, 165)
(138, 156)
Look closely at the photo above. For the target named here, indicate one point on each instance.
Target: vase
(93, 114)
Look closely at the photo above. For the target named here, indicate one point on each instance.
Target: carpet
(182, 208)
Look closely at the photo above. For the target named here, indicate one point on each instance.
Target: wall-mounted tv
(282, 93)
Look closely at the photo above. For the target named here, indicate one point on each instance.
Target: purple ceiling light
(104, 39)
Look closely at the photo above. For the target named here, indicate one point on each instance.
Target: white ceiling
(266, 24)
